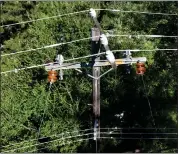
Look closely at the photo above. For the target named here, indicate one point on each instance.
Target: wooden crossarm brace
(95, 77)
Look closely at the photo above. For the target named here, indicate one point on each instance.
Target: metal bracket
(60, 61)
(95, 77)
(128, 58)
(128, 55)
(87, 74)
(105, 73)
(98, 63)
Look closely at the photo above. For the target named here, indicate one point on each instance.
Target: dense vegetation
(30, 111)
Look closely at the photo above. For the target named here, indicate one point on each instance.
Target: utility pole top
(95, 34)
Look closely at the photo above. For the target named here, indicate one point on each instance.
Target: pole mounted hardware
(59, 59)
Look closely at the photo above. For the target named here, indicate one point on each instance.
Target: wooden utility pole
(96, 83)
(95, 64)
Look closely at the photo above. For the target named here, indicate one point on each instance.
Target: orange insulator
(140, 65)
(52, 73)
(50, 79)
(140, 68)
(52, 76)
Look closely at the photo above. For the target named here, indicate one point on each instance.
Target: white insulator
(61, 59)
(92, 13)
(110, 56)
(104, 40)
(15, 70)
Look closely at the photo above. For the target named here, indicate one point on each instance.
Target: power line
(59, 44)
(102, 53)
(57, 16)
(137, 133)
(103, 138)
(149, 13)
(69, 142)
(45, 47)
(113, 10)
(109, 132)
(12, 150)
(114, 129)
(56, 135)
(34, 66)
(85, 135)
(138, 36)
(137, 128)
(146, 138)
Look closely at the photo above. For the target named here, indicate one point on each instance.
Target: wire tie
(15, 70)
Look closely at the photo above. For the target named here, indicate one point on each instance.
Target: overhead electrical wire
(69, 142)
(146, 138)
(139, 12)
(137, 128)
(56, 135)
(109, 132)
(102, 53)
(45, 47)
(12, 150)
(90, 139)
(91, 55)
(138, 133)
(100, 137)
(62, 15)
(138, 36)
(85, 130)
(59, 44)
(45, 18)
